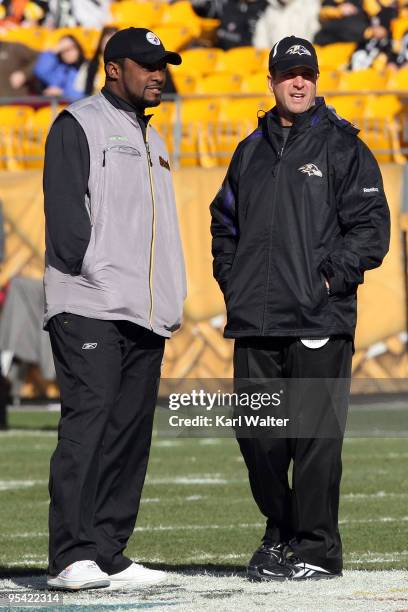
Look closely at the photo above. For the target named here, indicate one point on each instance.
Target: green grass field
(197, 508)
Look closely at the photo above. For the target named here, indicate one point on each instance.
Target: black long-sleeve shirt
(66, 175)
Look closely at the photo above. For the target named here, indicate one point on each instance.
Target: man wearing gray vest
(114, 287)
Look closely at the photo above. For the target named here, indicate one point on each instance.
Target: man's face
(139, 84)
(294, 90)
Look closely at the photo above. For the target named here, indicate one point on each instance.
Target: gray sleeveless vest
(133, 268)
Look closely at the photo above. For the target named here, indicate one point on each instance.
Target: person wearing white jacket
(87, 13)
(284, 18)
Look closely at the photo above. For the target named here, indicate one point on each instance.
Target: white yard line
(28, 433)
(9, 485)
(195, 479)
(211, 527)
(377, 495)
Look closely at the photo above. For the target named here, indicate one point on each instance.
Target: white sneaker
(79, 575)
(137, 575)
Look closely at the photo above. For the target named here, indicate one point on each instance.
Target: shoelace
(293, 559)
(89, 564)
(277, 550)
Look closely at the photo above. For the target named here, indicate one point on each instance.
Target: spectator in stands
(238, 21)
(86, 13)
(401, 57)
(208, 8)
(16, 69)
(14, 12)
(376, 50)
(284, 18)
(95, 78)
(63, 70)
(344, 21)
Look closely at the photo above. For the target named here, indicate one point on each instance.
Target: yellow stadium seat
(87, 38)
(246, 59)
(12, 133)
(180, 13)
(199, 61)
(255, 83)
(383, 141)
(199, 122)
(176, 36)
(328, 81)
(163, 120)
(237, 118)
(36, 130)
(219, 83)
(398, 81)
(348, 107)
(382, 107)
(362, 80)
(14, 116)
(381, 129)
(335, 56)
(185, 83)
(399, 27)
(375, 117)
(31, 37)
(138, 14)
(208, 26)
(166, 111)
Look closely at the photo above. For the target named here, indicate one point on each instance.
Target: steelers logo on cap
(152, 38)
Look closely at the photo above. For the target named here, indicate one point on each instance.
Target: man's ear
(270, 82)
(112, 70)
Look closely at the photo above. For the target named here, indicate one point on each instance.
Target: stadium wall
(198, 349)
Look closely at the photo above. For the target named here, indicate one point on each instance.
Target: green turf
(199, 523)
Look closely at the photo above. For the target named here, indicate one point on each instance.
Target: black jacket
(284, 220)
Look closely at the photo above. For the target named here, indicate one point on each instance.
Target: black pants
(108, 373)
(307, 512)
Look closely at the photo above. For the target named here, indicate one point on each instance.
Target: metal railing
(201, 130)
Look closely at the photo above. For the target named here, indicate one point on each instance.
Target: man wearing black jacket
(300, 217)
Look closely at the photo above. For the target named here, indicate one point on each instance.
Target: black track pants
(307, 512)
(108, 373)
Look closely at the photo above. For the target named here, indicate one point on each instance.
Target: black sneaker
(300, 570)
(268, 563)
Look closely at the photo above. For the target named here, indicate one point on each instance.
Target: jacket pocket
(121, 150)
(324, 294)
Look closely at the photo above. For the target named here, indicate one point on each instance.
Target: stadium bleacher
(231, 84)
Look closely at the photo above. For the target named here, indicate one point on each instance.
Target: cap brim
(285, 65)
(152, 57)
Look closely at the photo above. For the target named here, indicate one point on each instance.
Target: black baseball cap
(140, 45)
(293, 52)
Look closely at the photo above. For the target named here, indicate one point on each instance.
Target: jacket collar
(302, 121)
(121, 104)
(315, 117)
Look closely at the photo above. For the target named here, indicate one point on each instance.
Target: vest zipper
(152, 245)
